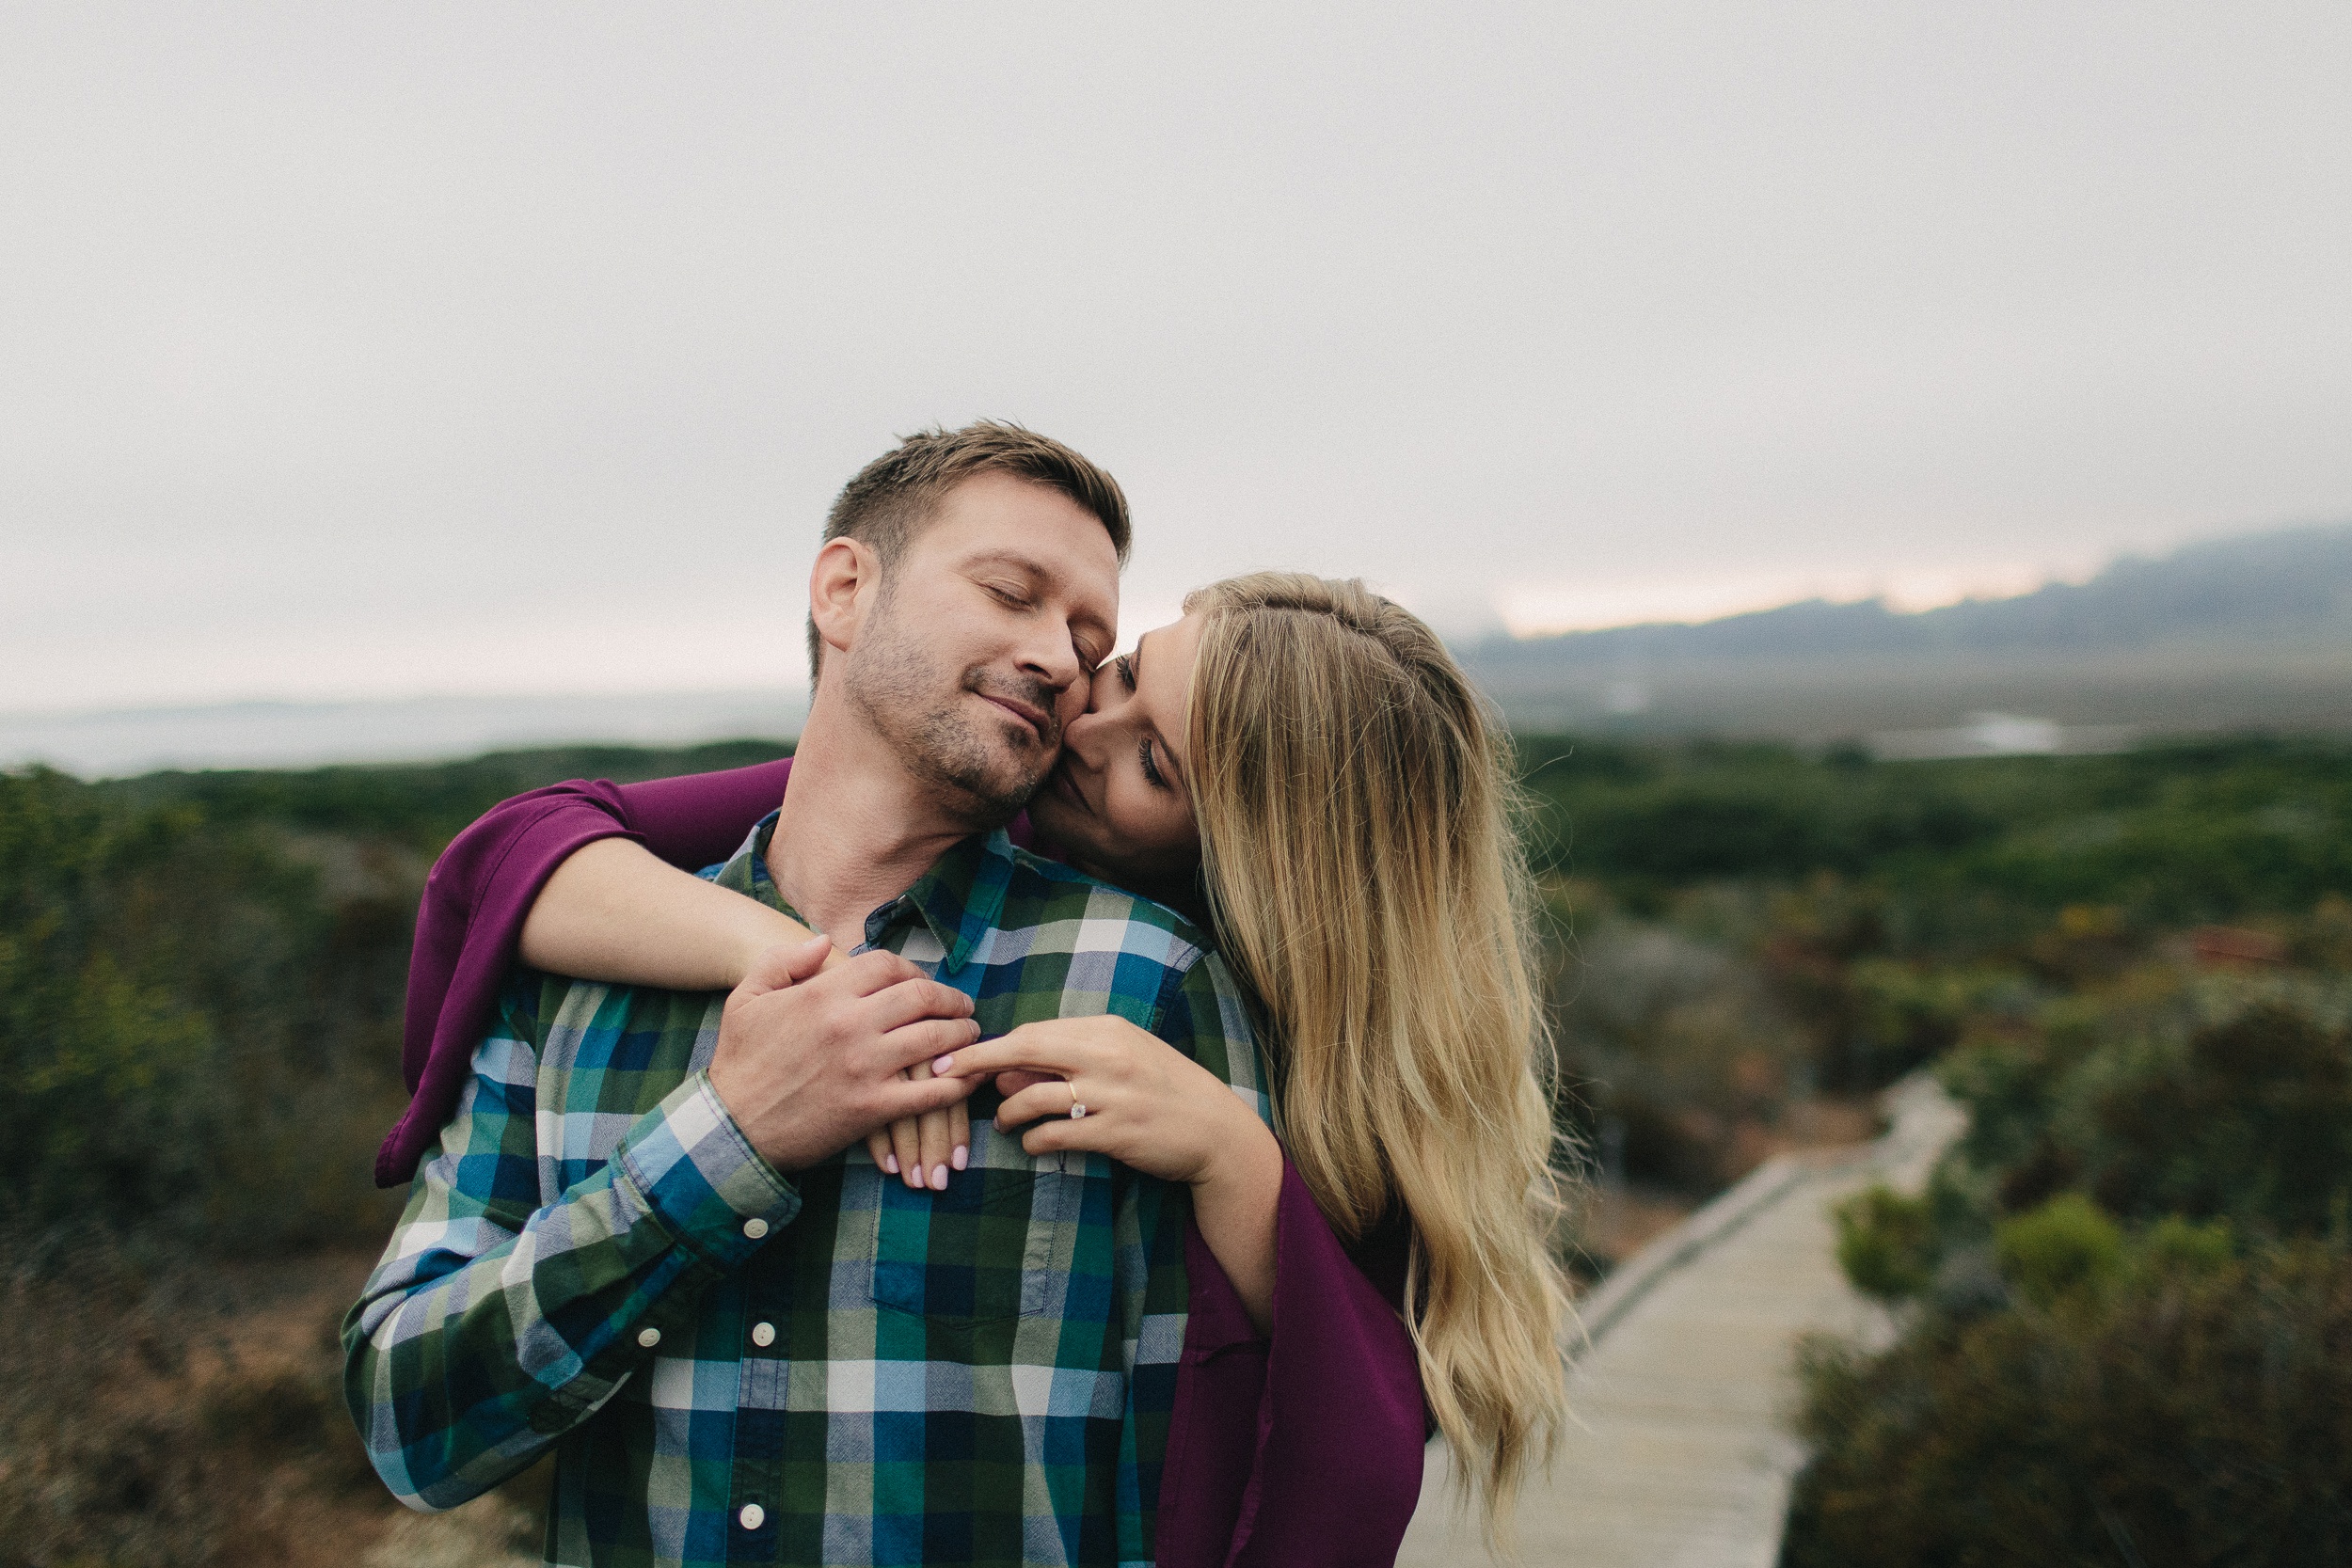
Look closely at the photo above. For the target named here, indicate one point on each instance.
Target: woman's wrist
(761, 929)
(1246, 1154)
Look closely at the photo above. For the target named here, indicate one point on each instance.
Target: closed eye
(1150, 768)
(1126, 668)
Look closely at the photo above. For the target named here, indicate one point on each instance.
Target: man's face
(980, 648)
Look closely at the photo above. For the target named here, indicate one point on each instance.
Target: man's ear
(842, 588)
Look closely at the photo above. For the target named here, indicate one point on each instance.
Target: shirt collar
(960, 897)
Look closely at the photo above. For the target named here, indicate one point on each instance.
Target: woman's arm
(481, 890)
(1300, 1424)
(614, 911)
(1301, 1445)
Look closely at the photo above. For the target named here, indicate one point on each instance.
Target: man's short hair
(892, 499)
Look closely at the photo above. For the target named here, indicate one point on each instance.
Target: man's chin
(1000, 793)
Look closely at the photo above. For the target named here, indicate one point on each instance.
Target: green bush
(1969, 851)
(1886, 1243)
(2064, 1246)
(198, 1024)
(2230, 1099)
(2195, 1410)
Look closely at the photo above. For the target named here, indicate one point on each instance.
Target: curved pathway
(1682, 1386)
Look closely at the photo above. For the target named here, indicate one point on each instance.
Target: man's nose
(1052, 658)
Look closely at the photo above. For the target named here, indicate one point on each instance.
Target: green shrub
(2064, 1246)
(2195, 1411)
(2250, 1117)
(2228, 1099)
(198, 1024)
(1886, 1243)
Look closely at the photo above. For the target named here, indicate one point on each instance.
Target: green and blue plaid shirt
(732, 1367)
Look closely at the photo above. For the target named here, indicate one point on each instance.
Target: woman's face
(1119, 804)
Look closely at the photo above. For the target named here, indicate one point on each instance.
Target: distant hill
(2253, 632)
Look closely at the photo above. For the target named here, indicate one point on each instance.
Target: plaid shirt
(734, 1368)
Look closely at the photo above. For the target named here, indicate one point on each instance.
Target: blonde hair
(1356, 806)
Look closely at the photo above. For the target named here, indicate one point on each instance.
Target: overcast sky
(351, 350)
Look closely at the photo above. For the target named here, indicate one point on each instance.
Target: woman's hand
(921, 1153)
(1148, 1105)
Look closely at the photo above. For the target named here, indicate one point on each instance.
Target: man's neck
(857, 828)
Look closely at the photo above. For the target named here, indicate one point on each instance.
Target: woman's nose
(1102, 691)
(1080, 731)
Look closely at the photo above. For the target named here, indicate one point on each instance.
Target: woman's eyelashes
(1125, 665)
(1150, 768)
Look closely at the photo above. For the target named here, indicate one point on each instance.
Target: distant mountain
(2253, 631)
(2290, 585)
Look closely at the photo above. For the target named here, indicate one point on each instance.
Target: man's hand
(807, 1063)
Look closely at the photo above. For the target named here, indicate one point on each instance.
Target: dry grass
(193, 1422)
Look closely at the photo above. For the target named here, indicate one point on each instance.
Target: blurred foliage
(1885, 1242)
(1739, 927)
(200, 983)
(2212, 1096)
(2126, 1297)
(2169, 1404)
(1959, 854)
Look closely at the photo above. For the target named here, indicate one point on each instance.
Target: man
(649, 1237)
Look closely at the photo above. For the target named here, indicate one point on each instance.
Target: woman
(1301, 762)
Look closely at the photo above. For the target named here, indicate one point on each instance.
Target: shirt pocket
(997, 1244)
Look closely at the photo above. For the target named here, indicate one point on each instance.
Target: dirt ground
(183, 1422)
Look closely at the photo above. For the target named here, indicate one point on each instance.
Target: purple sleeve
(471, 915)
(1302, 1447)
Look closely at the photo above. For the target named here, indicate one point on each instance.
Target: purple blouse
(1300, 1447)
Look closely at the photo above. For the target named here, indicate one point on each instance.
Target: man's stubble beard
(920, 714)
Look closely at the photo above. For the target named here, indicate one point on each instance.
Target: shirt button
(752, 1516)
(649, 1337)
(754, 1227)
(763, 1334)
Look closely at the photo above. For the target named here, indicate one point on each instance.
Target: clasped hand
(807, 1062)
(1146, 1103)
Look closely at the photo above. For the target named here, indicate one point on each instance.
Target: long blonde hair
(1356, 803)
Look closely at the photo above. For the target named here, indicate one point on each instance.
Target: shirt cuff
(700, 1174)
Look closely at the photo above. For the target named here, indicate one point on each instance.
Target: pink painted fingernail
(890, 1164)
(962, 1157)
(939, 1179)
(941, 1066)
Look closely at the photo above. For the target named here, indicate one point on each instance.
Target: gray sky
(352, 350)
